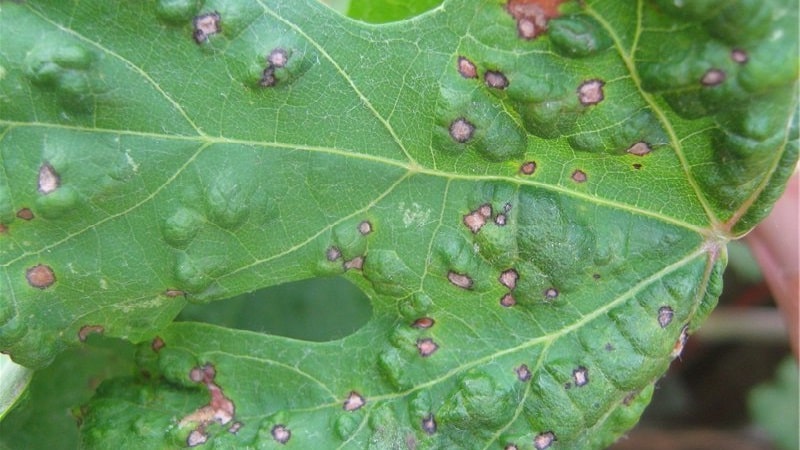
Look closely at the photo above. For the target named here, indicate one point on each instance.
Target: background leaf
(538, 217)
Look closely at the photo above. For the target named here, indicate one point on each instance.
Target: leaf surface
(539, 218)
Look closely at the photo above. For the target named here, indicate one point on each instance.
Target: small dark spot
(3, 228)
(640, 148)
(495, 79)
(235, 427)
(333, 253)
(500, 220)
(354, 401)
(579, 176)
(608, 347)
(429, 424)
(508, 301)
(461, 130)
(596, 276)
(485, 210)
(713, 77)
(462, 281)
(665, 314)
(550, 294)
(40, 276)
(544, 440)
(427, 347)
(739, 56)
(48, 179)
(206, 25)
(580, 376)
(423, 322)
(677, 349)
(636, 166)
(157, 344)
(268, 77)
(509, 278)
(172, 293)
(365, 228)
(467, 68)
(629, 398)
(197, 437)
(25, 214)
(528, 167)
(356, 263)
(281, 434)
(278, 57)
(86, 330)
(568, 385)
(591, 92)
(523, 373)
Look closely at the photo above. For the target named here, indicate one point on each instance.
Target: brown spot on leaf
(278, 57)
(544, 440)
(509, 278)
(235, 427)
(467, 68)
(532, 15)
(475, 220)
(528, 168)
(3, 228)
(460, 280)
(281, 434)
(429, 424)
(197, 437)
(206, 25)
(511, 447)
(86, 330)
(579, 176)
(665, 314)
(580, 376)
(427, 347)
(713, 77)
(639, 149)
(220, 409)
(365, 228)
(333, 253)
(354, 401)
(495, 79)
(508, 300)
(739, 56)
(500, 220)
(461, 130)
(157, 344)
(550, 294)
(636, 166)
(423, 322)
(48, 179)
(172, 293)
(523, 373)
(356, 263)
(677, 349)
(591, 92)
(629, 398)
(40, 276)
(25, 214)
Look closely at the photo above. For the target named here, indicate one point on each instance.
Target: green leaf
(774, 405)
(538, 216)
(14, 380)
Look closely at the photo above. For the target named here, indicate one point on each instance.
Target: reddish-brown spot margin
(579, 176)
(528, 168)
(40, 276)
(591, 92)
(281, 434)
(86, 330)
(544, 440)
(467, 68)
(423, 323)
(353, 401)
(427, 347)
(206, 25)
(460, 280)
(461, 130)
(157, 344)
(25, 214)
(429, 424)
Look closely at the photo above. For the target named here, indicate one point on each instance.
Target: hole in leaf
(320, 309)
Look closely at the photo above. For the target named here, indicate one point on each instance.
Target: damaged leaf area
(536, 196)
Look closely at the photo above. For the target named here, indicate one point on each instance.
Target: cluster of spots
(508, 278)
(461, 130)
(460, 280)
(544, 440)
(429, 424)
(220, 409)
(40, 276)
(157, 344)
(25, 214)
(467, 68)
(579, 176)
(677, 349)
(476, 219)
(49, 180)
(528, 168)
(277, 59)
(591, 92)
(665, 314)
(532, 15)
(426, 347)
(86, 330)
(206, 25)
(281, 434)
(353, 401)
(523, 373)
(336, 253)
